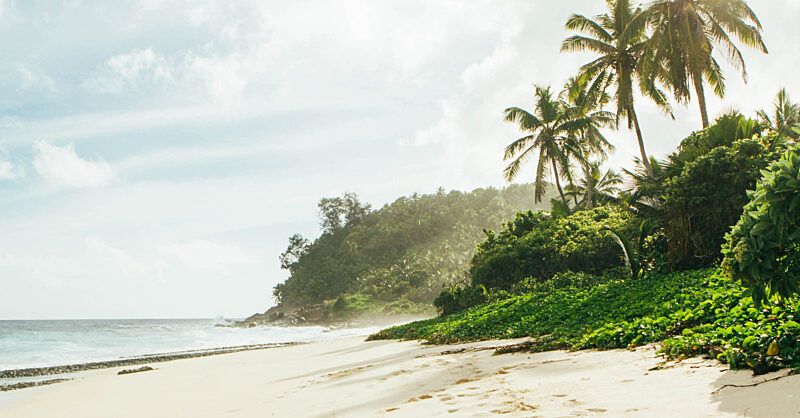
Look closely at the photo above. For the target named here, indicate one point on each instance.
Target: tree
(298, 246)
(336, 212)
(585, 98)
(596, 187)
(786, 115)
(619, 40)
(550, 127)
(685, 33)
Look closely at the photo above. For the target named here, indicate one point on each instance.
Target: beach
(351, 377)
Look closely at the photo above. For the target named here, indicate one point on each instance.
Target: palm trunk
(701, 98)
(645, 160)
(558, 185)
(587, 171)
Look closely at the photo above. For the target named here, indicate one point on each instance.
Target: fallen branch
(752, 384)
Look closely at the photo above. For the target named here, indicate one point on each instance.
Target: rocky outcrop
(280, 316)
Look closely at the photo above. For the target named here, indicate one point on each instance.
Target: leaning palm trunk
(645, 160)
(701, 98)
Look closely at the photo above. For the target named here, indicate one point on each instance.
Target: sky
(156, 155)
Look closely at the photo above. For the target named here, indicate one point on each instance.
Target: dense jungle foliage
(406, 250)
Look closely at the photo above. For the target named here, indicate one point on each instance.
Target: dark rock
(140, 369)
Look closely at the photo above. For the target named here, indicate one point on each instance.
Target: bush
(456, 299)
(537, 245)
(763, 248)
(702, 203)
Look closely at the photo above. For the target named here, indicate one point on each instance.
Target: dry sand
(350, 377)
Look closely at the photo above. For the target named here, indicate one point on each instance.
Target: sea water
(56, 343)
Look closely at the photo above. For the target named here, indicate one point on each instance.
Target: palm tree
(596, 187)
(685, 33)
(585, 98)
(549, 127)
(786, 115)
(645, 197)
(619, 40)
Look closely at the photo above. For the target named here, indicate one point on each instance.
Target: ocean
(26, 343)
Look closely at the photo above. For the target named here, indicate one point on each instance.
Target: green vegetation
(407, 251)
(539, 245)
(685, 33)
(763, 248)
(604, 268)
(692, 312)
(717, 182)
(551, 129)
(612, 269)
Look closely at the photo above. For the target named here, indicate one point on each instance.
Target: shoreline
(69, 369)
(351, 377)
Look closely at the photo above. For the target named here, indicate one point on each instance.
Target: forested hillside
(398, 257)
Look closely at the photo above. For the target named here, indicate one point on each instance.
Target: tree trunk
(589, 192)
(701, 98)
(558, 185)
(645, 159)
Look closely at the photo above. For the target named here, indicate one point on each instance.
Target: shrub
(537, 245)
(702, 203)
(763, 248)
(456, 299)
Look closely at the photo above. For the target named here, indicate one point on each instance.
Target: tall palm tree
(585, 98)
(549, 127)
(596, 187)
(785, 115)
(619, 40)
(685, 33)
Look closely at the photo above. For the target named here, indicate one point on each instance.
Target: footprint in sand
(425, 397)
(392, 409)
(559, 396)
(452, 410)
(596, 410)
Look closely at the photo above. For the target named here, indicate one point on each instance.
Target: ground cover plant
(692, 313)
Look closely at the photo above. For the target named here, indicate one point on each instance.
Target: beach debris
(140, 369)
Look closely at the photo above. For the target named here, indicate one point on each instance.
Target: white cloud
(33, 78)
(121, 259)
(9, 170)
(207, 255)
(63, 167)
(132, 70)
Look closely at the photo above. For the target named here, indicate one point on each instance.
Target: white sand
(353, 378)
